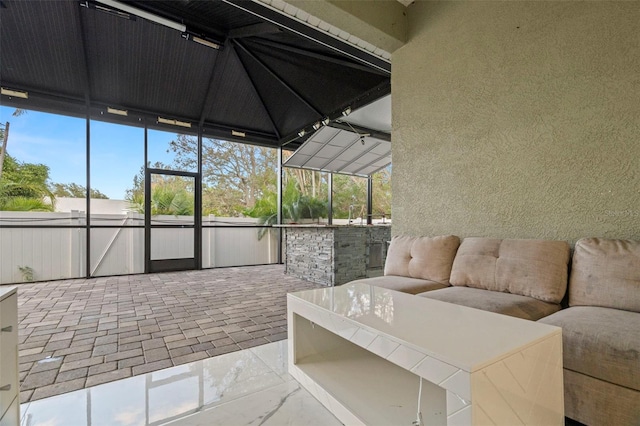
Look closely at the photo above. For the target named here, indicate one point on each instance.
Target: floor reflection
(254, 378)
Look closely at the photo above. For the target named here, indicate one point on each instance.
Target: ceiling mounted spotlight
(144, 15)
(302, 132)
(173, 122)
(346, 111)
(201, 40)
(316, 126)
(325, 121)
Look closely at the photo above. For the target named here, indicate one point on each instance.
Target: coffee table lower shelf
(475, 367)
(368, 389)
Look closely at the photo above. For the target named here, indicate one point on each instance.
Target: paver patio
(82, 332)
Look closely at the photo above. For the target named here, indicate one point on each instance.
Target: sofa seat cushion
(534, 268)
(601, 342)
(426, 258)
(403, 284)
(513, 305)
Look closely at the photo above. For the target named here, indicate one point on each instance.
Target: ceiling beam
(323, 57)
(215, 79)
(86, 75)
(256, 92)
(312, 33)
(254, 30)
(286, 85)
(342, 125)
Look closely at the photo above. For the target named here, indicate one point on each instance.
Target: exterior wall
(334, 255)
(518, 120)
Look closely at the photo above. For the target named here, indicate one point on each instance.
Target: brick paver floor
(79, 333)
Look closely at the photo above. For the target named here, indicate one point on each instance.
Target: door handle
(7, 329)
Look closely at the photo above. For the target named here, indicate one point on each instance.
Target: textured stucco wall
(518, 120)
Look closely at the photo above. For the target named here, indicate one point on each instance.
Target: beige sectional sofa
(601, 333)
(417, 264)
(520, 278)
(528, 279)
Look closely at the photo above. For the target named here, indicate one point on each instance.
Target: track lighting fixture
(14, 93)
(144, 15)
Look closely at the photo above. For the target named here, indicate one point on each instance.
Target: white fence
(50, 253)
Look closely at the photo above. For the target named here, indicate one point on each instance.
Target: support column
(279, 202)
(369, 200)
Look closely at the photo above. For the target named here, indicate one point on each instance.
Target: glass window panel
(45, 156)
(382, 195)
(45, 161)
(239, 190)
(172, 208)
(172, 151)
(117, 167)
(349, 200)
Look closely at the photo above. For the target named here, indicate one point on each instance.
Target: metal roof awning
(236, 69)
(342, 151)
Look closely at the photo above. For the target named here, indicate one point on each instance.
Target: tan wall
(518, 120)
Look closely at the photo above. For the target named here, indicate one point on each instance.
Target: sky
(117, 151)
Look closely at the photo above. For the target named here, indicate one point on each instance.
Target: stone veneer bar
(334, 255)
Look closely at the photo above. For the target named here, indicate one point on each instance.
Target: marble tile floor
(247, 387)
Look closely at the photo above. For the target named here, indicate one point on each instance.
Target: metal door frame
(165, 265)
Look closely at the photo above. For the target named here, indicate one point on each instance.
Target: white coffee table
(360, 350)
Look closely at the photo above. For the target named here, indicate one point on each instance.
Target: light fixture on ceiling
(326, 121)
(316, 125)
(346, 111)
(201, 40)
(174, 122)
(361, 136)
(117, 111)
(144, 15)
(237, 133)
(14, 93)
(302, 132)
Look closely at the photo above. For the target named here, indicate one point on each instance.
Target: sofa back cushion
(606, 273)
(534, 268)
(427, 258)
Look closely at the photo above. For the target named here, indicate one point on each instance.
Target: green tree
(170, 195)
(294, 207)
(382, 193)
(74, 190)
(234, 175)
(24, 186)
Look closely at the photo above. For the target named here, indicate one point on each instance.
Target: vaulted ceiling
(237, 68)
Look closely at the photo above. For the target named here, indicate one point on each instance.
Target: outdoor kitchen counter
(335, 254)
